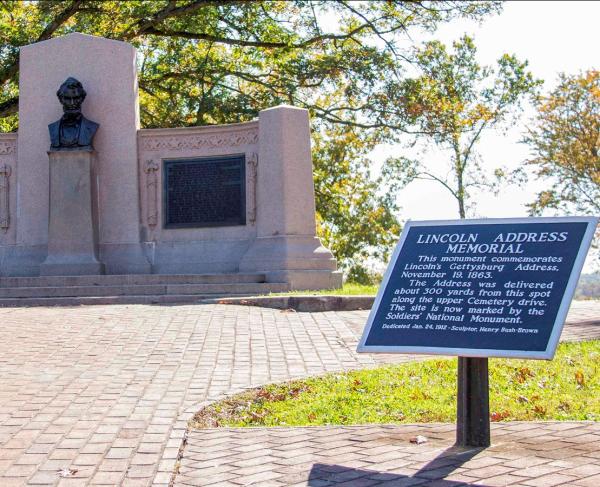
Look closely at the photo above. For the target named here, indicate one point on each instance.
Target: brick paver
(522, 454)
(101, 395)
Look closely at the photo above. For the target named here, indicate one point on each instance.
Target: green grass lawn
(349, 289)
(566, 388)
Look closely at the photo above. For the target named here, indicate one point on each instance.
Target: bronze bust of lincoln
(73, 131)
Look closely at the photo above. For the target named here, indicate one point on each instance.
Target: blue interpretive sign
(479, 288)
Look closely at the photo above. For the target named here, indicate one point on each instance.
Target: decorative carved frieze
(151, 169)
(252, 179)
(8, 146)
(199, 141)
(5, 172)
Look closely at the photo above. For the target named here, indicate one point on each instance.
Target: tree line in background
(355, 67)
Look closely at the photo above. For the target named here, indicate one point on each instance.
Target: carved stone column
(151, 170)
(252, 178)
(72, 226)
(286, 248)
(5, 172)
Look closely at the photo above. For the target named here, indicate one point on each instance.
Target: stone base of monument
(124, 258)
(70, 267)
(298, 260)
(72, 225)
(22, 260)
(302, 280)
(132, 289)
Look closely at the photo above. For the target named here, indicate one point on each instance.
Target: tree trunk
(460, 193)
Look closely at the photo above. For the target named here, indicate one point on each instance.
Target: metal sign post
(473, 403)
(477, 289)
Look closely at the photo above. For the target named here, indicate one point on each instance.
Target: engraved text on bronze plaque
(204, 192)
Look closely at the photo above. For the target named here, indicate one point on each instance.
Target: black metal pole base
(473, 403)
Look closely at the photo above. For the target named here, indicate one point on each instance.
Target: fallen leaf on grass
(579, 377)
(522, 374)
(499, 416)
(564, 406)
(418, 439)
(257, 416)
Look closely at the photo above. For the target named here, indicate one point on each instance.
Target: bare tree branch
(266, 44)
(59, 20)
(142, 26)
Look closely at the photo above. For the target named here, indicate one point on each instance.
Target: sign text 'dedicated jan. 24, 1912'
(479, 288)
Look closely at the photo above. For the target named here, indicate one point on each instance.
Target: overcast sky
(554, 37)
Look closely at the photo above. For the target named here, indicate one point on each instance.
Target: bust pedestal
(72, 226)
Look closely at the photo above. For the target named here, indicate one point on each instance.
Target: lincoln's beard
(71, 117)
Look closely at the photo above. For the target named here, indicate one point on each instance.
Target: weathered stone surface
(286, 240)
(112, 102)
(72, 227)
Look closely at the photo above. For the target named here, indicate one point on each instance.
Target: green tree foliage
(208, 62)
(565, 141)
(450, 103)
(222, 61)
(356, 219)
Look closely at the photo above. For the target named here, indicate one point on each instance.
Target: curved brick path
(522, 455)
(106, 391)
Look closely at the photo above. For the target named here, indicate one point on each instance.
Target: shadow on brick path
(522, 454)
(324, 475)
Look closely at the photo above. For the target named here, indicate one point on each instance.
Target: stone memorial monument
(72, 229)
(111, 198)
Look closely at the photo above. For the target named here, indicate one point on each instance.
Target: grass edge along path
(565, 389)
(348, 289)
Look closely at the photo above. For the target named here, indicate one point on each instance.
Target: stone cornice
(184, 138)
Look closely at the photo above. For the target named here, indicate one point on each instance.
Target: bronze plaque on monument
(204, 192)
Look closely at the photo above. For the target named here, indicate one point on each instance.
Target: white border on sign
(477, 352)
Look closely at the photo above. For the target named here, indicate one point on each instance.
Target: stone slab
(72, 224)
(112, 101)
(128, 280)
(141, 289)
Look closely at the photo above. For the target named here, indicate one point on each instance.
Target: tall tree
(222, 61)
(206, 62)
(449, 104)
(564, 138)
(356, 216)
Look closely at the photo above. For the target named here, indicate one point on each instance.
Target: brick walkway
(102, 394)
(522, 454)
